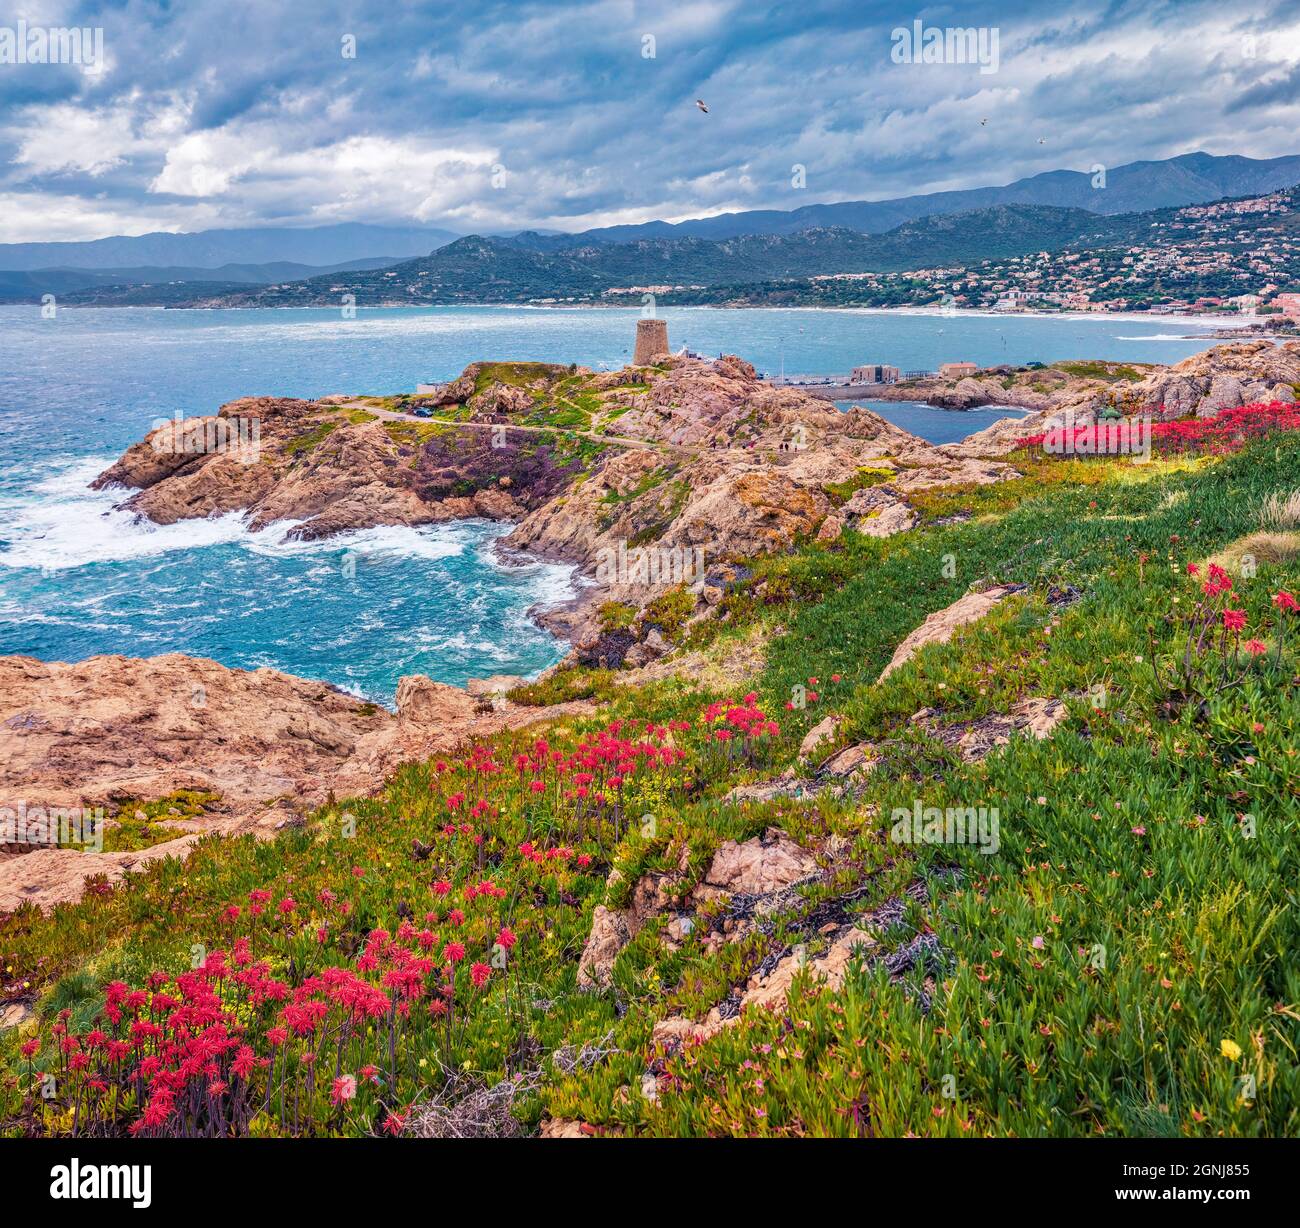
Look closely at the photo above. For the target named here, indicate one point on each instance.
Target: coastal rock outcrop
(1221, 377)
(266, 746)
(699, 455)
(942, 625)
(1224, 377)
(110, 728)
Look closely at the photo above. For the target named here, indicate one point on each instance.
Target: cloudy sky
(497, 116)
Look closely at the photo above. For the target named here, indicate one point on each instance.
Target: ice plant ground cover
(1123, 965)
(1226, 431)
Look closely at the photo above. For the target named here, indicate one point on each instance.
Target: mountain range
(1042, 213)
(1188, 179)
(529, 267)
(23, 286)
(210, 249)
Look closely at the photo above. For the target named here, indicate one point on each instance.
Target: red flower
(345, 1088)
(1285, 601)
(479, 974)
(1255, 647)
(1234, 620)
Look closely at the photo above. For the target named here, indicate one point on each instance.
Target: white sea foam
(61, 523)
(429, 542)
(1160, 337)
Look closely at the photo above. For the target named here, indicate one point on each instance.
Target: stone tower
(651, 342)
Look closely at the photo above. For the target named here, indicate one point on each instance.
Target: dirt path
(624, 441)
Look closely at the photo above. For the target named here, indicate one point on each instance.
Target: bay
(78, 578)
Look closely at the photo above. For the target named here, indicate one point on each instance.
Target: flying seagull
(983, 122)
(699, 102)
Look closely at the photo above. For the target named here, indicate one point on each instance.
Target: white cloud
(206, 164)
(63, 138)
(279, 130)
(50, 217)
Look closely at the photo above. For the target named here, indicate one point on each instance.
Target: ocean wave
(428, 542)
(61, 523)
(1160, 337)
(467, 647)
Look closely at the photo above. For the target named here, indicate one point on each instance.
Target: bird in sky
(699, 102)
(983, 122)
(1042, 140)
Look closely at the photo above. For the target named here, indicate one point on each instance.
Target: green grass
(1111, 372)
(1083, 980)
(308, 440)
(141, 824)
(841, 492)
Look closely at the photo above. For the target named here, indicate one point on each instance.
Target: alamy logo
(132, 1182)
(81, 45)
(239, 436)
(650, 565)
(922, 44)
(1129, 436)
(956, 825)
(53, 826)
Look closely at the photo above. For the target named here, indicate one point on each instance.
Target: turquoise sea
(78, 578)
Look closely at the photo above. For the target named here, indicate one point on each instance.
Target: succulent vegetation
(1123, 964)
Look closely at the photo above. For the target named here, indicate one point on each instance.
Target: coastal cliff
(686, 455)
(698, 461)
(1219, 378)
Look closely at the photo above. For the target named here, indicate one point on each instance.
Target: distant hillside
(1189, 179)
(209, 249)
(121, 285)
(528, 267)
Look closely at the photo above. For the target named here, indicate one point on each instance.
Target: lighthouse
(651, 342)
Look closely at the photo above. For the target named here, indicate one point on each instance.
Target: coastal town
(1233, 257)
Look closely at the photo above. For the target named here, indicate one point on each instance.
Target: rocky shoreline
(682, 458)
(655, 483)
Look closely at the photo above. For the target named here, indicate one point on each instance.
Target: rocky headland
(653, 481)
(1223, 377)
(691, 459)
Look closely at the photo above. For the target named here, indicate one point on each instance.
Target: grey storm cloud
(557, 114)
